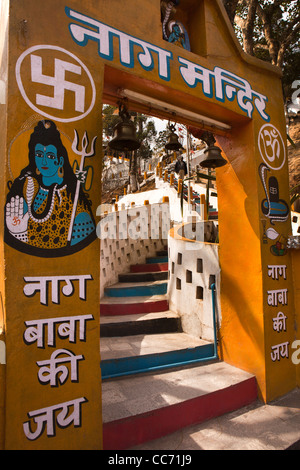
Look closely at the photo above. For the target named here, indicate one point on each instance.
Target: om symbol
(16, 221)
(271, 147)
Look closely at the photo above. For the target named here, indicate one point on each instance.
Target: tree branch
(284, 45)
(249, 27)
(279, 32)
(267, 27)
(290, 32)
(231, 6)
(265, 47)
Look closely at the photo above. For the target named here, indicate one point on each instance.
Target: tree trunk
(267, 27)
(249, 26)
(230, 6)
(290, 34)
(267, 13)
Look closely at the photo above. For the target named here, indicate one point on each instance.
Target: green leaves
(273, 35)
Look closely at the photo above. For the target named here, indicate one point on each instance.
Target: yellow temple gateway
(179, 61)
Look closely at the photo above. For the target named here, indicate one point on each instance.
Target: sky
(160, 125)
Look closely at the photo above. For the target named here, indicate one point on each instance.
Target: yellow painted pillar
(4, 15)
(295, 255)
(256, 266)
(2, 389)
(50, 300)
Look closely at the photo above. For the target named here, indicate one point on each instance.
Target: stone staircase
(212, 211)
(157, 379)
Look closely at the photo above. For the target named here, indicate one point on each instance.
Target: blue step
(143, 277)
(158, 259)
(162, 253)
(158, 288)
(150, 362)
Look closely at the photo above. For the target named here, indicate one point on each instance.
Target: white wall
(191, 264)
(129, 237)
(295, 223)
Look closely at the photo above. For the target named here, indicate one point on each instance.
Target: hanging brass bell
(173, 142)
(124, 137)
(213, 158)
(124, 132)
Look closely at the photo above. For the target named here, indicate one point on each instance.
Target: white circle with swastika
(58, 83)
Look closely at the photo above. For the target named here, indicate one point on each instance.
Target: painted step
(162, 253)
(157, 259)
(154, 267)
(143, 277)
(111, 306)
(140, 324)
(137, 354)
(139, 409)
(129, 289)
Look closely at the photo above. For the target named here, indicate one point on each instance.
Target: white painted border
(2, 353)
(260, 150)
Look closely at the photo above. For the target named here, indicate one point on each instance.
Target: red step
(131, 306)
(217, 389)
(148, 268)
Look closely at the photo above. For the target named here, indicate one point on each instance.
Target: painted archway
(60, 68)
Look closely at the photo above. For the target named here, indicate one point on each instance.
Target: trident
(83, 153)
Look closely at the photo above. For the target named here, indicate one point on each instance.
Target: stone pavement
(275, 426)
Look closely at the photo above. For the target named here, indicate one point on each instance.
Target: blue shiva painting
(47, 211)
